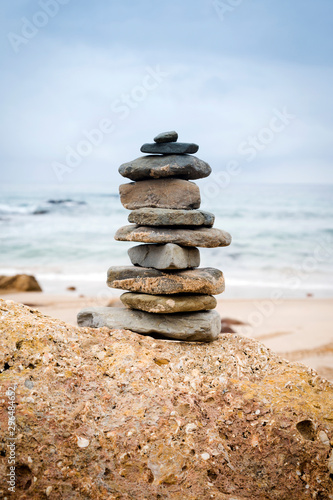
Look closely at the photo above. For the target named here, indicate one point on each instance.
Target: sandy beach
(297, 329)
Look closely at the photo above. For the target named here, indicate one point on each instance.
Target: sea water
(64, 235)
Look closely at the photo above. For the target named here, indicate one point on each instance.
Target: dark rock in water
(160, 193)
(205, 280)
(19, 283)
(64, 202)
(166, 137)
(58, 202)
(193, 326)
(71, 288)
(170, 148)
(170, 217)
(160, 166)
(40, 212)
(205, 237)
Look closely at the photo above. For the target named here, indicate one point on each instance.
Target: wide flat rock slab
(156, 167)
(201, 237)
(207, 280)
(171, 217)
(197, 326)
(166, 304)
(160, 193)
(168, 256)
(170, 148)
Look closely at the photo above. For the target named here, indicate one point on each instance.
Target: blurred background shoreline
(64, 236)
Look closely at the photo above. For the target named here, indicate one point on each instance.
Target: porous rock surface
(114, 415)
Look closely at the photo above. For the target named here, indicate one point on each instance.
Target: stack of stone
(167, 294)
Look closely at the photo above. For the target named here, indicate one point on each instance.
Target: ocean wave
(68, 202)
(42, 208)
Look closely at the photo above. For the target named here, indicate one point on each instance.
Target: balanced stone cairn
(167, 293)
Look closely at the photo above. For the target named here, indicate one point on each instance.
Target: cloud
(224, 80)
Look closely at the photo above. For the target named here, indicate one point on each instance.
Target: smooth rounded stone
(207, 280)
(170, 148)
(169, 256)
(166, 137)
(205, 237)
(160, 193)
(166, 304)
(195, 326)
(157, 166)
(171, 217)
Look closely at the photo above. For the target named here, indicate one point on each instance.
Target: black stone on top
(166, 137)
(170, 148)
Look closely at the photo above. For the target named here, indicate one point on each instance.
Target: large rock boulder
(19, 283)
(110, 414)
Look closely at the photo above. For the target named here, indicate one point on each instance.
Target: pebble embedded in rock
(161, 166)
(158, 193)
(169, 256)
(170, 148)
(206, 280)
(195, 326)
(166, 137)
(201, 237)
(166, 304)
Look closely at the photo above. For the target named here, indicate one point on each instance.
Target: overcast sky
(84, 84)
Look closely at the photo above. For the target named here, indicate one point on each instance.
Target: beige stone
(206, 237)
(153, 410)
(160, 193)
(166, 304)
(19, 283)
(206, 280)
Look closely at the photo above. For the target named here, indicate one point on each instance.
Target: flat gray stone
(166, 137)
(206, 280)
(160, 193)
(164, 304)
(170, 148)
(171, 217)
(160, 166)
(169, 256)
(205, 237)
(195, 326)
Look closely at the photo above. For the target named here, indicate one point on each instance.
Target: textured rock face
(20, 283)
(165, 217)
(115, 415)
(169, 256)
(197, 326)
(175, 148)
(207, 280)
(156, 167)
(164, 304)
(202, 236)
(169, 193)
